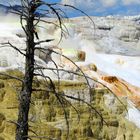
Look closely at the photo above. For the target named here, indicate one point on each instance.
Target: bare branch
(43, 41)
(41, 137)
(12, 46)
(88, 104)
(12, 77)
(13, 122)
(59, 99)
(78, 74)
(40, 89)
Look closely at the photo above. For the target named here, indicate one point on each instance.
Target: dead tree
(29, 20)
(28, 15)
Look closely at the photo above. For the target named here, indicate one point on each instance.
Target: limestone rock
(109, 79)
(123, 89)
(47, 117)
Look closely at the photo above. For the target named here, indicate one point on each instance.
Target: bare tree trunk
(25, 95)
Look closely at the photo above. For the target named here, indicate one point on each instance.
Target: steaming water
(124, 66)
(109, 54)
(133, 114)
(115, 57)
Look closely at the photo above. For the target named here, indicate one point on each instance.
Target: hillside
(107, 50)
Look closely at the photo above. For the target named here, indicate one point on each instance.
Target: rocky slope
(105, 52)
(109, 34)
(47, 117)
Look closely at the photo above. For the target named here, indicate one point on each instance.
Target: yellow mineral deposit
(47, 118)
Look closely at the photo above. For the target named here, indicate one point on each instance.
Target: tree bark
(25, 95)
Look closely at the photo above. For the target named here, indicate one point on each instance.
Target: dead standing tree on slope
(29, 15)
(29, 19)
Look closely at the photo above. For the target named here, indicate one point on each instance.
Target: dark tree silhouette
(29, 19)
